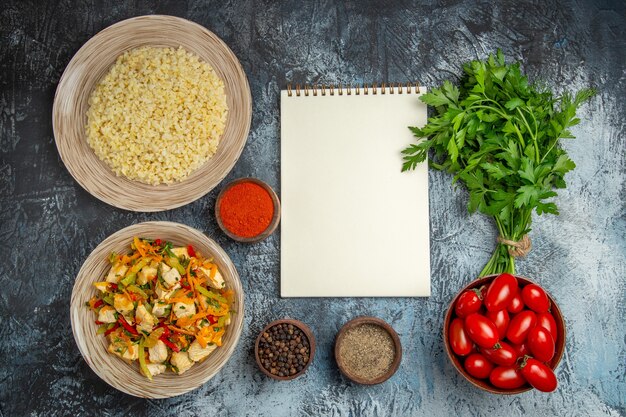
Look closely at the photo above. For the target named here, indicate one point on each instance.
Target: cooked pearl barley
(157, 115)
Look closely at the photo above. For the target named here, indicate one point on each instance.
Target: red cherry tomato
(502, 289)
(505, 355)
(535, 298)
(540, 344)
(520, 325)
(481, 330)
(469, 302)
(539, 375)
(516, 304)
(506, 377)
(459, 340)
(501, 319)
(546, 320)
(521, 350)
(478, 366)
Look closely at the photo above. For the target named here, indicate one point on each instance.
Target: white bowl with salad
(157, 309)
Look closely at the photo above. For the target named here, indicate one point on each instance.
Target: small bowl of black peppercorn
(284, 349)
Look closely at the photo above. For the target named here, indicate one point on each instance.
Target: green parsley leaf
(499, 135)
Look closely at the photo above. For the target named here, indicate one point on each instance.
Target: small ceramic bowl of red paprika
(247, 210)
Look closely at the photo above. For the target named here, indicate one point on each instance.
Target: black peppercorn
(283, 350)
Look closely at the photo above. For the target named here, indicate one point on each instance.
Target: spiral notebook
(352, 224)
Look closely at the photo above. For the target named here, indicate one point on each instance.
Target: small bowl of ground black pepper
(285, 349)
(247, 210)
(368, 350)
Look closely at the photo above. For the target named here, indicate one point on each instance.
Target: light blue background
(48, 224)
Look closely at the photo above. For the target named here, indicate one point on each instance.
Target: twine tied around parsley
(519, 248)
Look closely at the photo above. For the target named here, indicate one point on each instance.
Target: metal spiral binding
(323, 89)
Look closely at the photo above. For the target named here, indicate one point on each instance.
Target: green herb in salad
(500, 136)
(145, 302)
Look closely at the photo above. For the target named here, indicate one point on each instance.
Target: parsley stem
(499, 113)
(490, 267)
(519, 135)
(491, 101)
(530, 132)
(504, 115)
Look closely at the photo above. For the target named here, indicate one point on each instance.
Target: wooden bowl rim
(113, 370)
(358, 321)
(483, 384)
(307, 332)
(273, 223)
(103, 183)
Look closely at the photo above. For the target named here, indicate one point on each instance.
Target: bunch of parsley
(500, 136)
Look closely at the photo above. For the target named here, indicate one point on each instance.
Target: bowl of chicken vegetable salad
(157, 309)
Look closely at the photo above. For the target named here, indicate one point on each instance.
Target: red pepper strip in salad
(113, 286)
(112, 329)
(99, 323)
(98, 303)
(212, 319)
(169, 344)
(130, 329)
(191, 251)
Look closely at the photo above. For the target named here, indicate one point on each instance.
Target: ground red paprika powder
(246, 209)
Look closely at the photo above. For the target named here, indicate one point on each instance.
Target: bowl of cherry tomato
(505, 334)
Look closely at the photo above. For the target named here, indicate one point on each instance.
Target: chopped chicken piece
(145, 321)
(123, 304)
(116, 273)
(181, 361)
(164, 294)
(146, 274)
(130, 353)
(197, 352)
(158, 353)
(107, 315)
(156, 368)
(161, 308)
(181, 252)
(216, 282)
(170, 275)
(184, 309)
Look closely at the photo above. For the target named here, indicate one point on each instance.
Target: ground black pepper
(284, 350)
(367, 351)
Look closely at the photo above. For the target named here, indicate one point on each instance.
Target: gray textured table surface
(48, 224)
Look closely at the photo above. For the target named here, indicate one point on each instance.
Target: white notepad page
(352, 224)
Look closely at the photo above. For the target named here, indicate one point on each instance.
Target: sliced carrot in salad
(144, 326)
